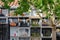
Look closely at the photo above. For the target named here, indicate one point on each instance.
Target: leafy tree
(52, 9)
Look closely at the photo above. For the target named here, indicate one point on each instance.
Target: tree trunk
(53, 34)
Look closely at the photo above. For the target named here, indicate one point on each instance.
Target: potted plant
(23, 7)
(6, 6)
(35, 22)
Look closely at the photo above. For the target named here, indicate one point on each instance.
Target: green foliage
(54, 5)
(51, 1)
(6, 3)
(58, 1)
(44, 2)
(44, 8)
(10, 0)
(57, 10)
(7, 0)
(6, 6)
(23, 7)
(37, 3)
(19, 10)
